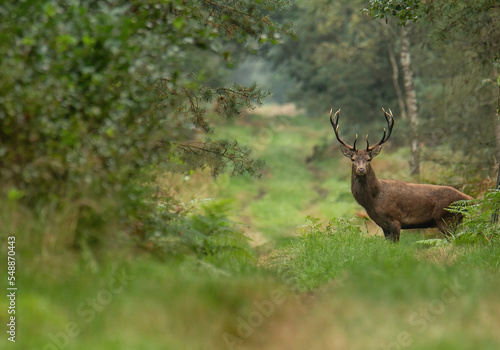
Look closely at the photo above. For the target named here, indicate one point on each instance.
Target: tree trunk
(497, 131)
(395, 81)
(494, 216)
(497, 136)
(411, 102)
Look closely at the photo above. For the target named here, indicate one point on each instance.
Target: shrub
(96, 94)
(480, 221)
(199, 230)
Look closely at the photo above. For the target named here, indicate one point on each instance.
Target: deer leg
(444, 227)
(448, 225)
(392, 232)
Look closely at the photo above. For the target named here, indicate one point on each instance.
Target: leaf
(64, 41)
(14, 195)
(178, 22)
(88, 41)
(433, 242)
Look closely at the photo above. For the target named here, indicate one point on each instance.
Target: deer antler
(390, 124)
(334, 119)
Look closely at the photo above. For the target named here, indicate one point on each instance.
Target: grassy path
(361, 292)
(353, 291)
(324, 285)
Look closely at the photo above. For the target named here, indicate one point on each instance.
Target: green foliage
(432, 242)
(468, 23)
(404, 10)
(339, 58)
(454, 91)
(219, 156)
(478, 226)
(97, 96)
(176, 231)
(323, 251)
(315, 227)
(480, 223)
(338, 258)
(91, 91)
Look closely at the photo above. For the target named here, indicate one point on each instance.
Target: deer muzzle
(361, 171)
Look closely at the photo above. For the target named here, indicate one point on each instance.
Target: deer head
(361, 157)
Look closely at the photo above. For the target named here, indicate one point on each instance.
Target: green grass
(290, 189)
(371, 291)
(323, 285)
(147, 304)
(358, 289)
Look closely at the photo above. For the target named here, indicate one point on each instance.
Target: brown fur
(394, 205)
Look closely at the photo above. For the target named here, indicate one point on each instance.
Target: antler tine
(368, 148)
(390, 124)
(390, 121)
(334, 120)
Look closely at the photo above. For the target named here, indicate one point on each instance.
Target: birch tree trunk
(395, 81)
(494, 216)
(411, 102)
(497, 131)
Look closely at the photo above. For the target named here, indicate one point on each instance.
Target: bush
(480, 223)
(196, 230)
(95, 95)
(323, 250)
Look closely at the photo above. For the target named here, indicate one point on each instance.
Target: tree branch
(226, 8)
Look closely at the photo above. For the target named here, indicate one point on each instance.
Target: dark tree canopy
(93, 92)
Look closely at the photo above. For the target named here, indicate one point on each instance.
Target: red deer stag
(394, 204)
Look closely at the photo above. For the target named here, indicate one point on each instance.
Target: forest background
(154, 206)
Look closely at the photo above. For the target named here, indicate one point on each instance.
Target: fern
(477, 224)
(434, 242)
(176, 230)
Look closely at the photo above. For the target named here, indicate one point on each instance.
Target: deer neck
(365, 188)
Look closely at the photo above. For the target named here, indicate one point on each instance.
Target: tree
(102, 85)
(410, 102)
(339, 59)
(467, 24)
(96, 93)
(470, 27)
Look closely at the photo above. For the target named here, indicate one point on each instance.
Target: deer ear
(346, 151)
(374, 152)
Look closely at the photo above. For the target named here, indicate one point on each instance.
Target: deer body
(392, 204)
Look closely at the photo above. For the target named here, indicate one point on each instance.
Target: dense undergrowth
(328, 283)
(280, 262)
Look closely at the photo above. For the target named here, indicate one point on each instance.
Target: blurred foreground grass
(319, 291)
(323, 285)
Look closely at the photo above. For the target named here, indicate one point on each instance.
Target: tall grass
(338, 286)
(290, 188)
(369, 293)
